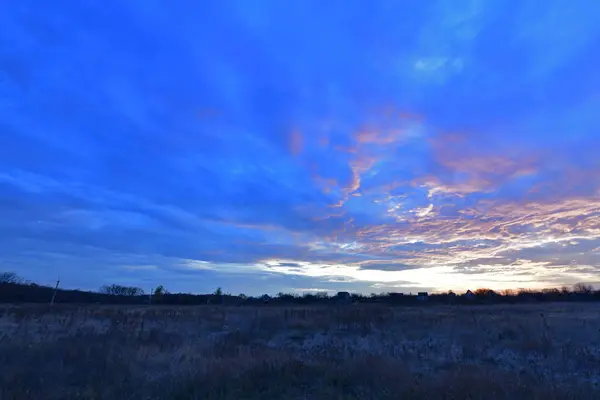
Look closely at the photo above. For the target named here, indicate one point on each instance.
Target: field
(353, 352)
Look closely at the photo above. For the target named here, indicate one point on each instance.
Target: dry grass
(375, 352)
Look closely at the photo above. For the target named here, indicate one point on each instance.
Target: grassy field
(354, 352)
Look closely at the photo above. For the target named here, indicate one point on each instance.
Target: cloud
(432, 64)
(296, 143)
(313, 290)
(217, 146)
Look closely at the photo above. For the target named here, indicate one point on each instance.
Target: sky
(293, 146)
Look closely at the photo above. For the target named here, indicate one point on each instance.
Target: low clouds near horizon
(300, 146)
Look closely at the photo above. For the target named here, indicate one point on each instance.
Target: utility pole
(150, 296)
(54, 294)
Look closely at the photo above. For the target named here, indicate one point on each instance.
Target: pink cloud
(470, 166)
(324, 141)
(377, 141)
(296, 142)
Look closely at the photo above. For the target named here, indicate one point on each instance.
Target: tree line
(14, 289)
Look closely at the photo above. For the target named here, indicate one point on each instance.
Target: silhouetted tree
(160, 291)
(551, 291)
(119, 290)
(582, 288)
(286, 297)
(10, 277)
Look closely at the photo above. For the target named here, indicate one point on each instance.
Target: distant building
(422, 296)
(469, 295)
(395, 294)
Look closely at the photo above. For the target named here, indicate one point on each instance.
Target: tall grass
(495, 352)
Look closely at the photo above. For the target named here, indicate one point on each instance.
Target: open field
(373, 352)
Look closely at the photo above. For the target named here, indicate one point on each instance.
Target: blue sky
(267, 146)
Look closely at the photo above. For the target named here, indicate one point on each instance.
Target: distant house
(395, 294)
(469, 295)
(422, 296)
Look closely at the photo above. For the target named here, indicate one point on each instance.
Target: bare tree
(482, 292)
(160, 291)
(551, 291)
(119, 290)
(10, 277)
